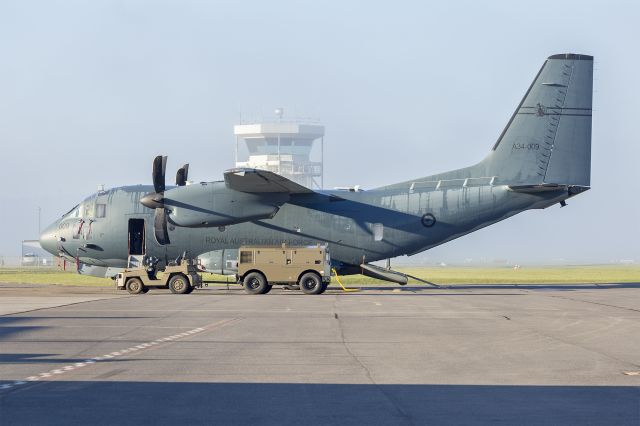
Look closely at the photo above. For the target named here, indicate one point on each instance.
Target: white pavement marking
(97, 359)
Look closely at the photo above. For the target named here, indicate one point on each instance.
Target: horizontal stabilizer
(547, 187)
(261, 181)
(529, 189)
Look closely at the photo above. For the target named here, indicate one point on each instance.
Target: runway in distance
(541, 158)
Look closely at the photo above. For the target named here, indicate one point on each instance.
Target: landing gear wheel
(134, 286)
(179, 284)
(255, 283)
(311, 283)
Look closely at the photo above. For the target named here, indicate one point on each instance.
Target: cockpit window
(74, 212)
(88, 210)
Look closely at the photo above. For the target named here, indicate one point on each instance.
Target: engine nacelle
(211, 204)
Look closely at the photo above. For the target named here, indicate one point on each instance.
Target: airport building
(33, 255)
(283, 146)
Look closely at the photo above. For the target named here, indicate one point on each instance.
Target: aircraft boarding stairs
(388, 274)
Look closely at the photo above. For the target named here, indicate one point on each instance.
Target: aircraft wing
(254, 180)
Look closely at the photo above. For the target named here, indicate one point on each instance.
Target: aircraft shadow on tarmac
(159, 403)
(21, 358)
(19, 325)
(16, 325)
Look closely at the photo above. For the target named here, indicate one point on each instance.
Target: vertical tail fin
(548, 138)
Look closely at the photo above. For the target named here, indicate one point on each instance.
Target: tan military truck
(180, 277)
(259, 268)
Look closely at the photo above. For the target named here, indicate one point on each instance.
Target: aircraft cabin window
(101, 210)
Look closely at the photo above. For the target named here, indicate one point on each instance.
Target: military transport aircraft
(542, 157)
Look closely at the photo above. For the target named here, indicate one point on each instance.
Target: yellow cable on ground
(340, 282)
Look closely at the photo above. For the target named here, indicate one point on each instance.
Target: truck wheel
(311, 283)
(179, 284)
(134, 286)
(268, 289)
(255, 283)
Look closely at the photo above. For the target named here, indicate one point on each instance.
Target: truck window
(246, 257)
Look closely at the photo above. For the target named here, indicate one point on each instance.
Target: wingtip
(572, 56)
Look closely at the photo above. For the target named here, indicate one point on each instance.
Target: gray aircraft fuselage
(360, 227)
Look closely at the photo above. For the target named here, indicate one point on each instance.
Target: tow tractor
(181, 277)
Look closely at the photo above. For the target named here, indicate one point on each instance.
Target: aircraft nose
(49, 239)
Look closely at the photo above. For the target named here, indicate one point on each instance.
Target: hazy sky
(91, 91)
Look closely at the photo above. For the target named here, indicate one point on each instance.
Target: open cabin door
(136, 241)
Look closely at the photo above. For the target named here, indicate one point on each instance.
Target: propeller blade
(159, 168)
(160, 227)
(182, 175)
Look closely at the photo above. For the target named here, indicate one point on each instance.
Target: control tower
(283, 146)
